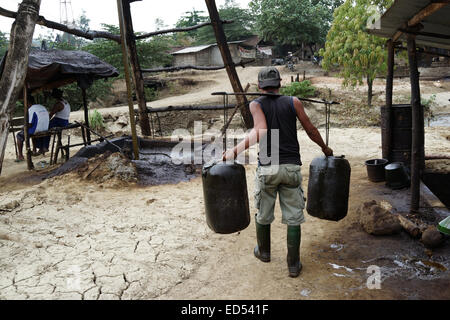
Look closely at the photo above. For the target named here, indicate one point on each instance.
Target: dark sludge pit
(160, 161)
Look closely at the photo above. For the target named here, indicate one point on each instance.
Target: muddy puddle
(441, 121)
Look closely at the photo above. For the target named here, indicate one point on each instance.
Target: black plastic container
(397, 176)
(375, 169)
(226, 198)
(328, 188)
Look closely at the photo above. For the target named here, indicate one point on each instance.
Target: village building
(209, 55)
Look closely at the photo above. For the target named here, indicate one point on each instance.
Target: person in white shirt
(60, 113)
(38, 121)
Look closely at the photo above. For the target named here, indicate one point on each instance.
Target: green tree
(151, 52)
(359, 55)
(293, 22)
(189, 19)
(241, 28)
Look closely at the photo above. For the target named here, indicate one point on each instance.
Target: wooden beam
(127, 79)
(228, 62)
(86, 115)
(155, 33)
(421, 15)
(179, 68)
(26, 136)
(426, 12)
(426, 51)
(417, 125)
(386, 133)
(138, 80)
(189, 108)
(91, 35)
(426, 34)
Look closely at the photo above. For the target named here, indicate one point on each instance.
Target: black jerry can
(328, 188)
(226, 198)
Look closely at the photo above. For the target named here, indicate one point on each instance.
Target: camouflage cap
(269, 77)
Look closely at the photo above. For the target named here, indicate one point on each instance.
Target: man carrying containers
(279, 164)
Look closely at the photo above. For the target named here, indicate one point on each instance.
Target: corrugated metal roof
(193, 49)
(403, 10)
(201, 48)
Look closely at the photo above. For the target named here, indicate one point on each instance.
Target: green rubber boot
(293, 249)
(262, 250)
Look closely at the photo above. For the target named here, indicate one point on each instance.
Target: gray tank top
(281, 140)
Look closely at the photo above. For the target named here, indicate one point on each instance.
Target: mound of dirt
(114, 169)
(377, 220)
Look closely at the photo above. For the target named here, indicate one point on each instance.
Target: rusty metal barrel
(226, 198)
(328, 188)
(400, 132)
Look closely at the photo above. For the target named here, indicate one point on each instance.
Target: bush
(299, 89)
(427, 105)
(96, 120)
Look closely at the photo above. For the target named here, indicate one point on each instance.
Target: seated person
(38, 121)
(60, 113)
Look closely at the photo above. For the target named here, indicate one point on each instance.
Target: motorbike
(290, 66)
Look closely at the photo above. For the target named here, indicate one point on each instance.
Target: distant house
(209, 55)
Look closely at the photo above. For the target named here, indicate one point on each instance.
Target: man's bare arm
(310, 129)
(59, 106)
(259, 129)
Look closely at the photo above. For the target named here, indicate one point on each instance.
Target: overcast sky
(105, 11)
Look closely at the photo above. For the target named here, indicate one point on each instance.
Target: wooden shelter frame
(127, 40)
(412, 28)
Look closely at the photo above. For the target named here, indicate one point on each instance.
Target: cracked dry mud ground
(69, 239)
(59, 244)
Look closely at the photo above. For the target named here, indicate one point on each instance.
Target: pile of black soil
(157, 163)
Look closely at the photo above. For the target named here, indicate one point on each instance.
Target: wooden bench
(56, 134)
(16, 125)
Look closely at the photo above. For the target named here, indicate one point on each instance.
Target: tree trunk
(312, 52)
(369, 91)
(15, 71)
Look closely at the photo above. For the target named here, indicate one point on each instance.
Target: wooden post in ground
(26, 120)
(127, 80)
(136, 68)
(386, 133)
(16, 64)
(228, 62)
(86, 115)
(417, 125)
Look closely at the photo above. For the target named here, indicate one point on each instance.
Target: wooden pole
(86, 115)
(159, 32)
(178, 68)
(26, 120)
(228, 61)
(417, 125)
(127, 80)
(386, 133)
(138, 80)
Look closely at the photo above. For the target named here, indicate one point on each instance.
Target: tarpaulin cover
(52, 68)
